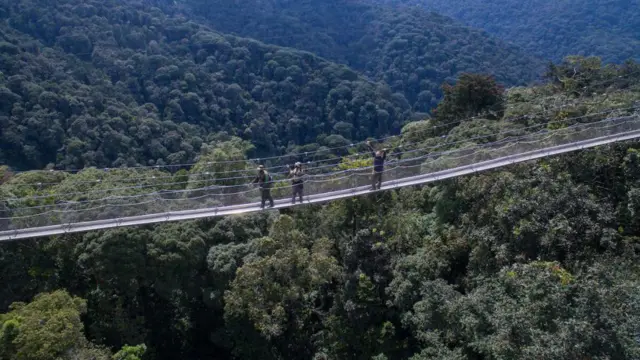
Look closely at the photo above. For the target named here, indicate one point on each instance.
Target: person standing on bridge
(265, 181)
(296, 173)
(378, 166)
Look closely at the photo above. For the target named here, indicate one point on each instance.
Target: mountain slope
(412, 50)
(440, 271)
(107, 83)
(552, 29)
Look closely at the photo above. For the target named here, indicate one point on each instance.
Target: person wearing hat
(265, 181)
(378, 166)
(296, 173)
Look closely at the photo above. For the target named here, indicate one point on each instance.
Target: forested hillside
(551, 29)
(533, 261)
(107, 83)
(411, 50)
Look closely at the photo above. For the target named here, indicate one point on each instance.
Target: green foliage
(417, 131)
(551, 29)
(5, 174)
(539, 326)
(587, 75)
(277, 287)
(106, 91)
(49, 327)
(412, 50)
(529, 261)
(221, 160)
(130, 353)
(534, 261)
(472, 95)
(563, 275)
(355, 163)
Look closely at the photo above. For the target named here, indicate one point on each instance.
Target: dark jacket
(378, 161)
(264, 180)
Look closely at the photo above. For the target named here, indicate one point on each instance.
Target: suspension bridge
(412, 167)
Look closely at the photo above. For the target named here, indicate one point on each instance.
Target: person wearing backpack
(265, 181)
(296, 173)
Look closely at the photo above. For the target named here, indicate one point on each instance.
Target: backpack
(267, 179)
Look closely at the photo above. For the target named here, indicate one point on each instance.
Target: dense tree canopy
(413, 51)
(551, 29)
(537, 260)
(109, 84)
(49, 327)
(530, 261)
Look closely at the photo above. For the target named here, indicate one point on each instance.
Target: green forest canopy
(107, 84)
(551, 29)
(411, 50)
(125, 85)
(533, 261)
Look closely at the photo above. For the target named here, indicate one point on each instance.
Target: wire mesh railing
(16, 215)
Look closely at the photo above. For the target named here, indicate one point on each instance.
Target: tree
(222, 163)
(49, 327)
(130, 353)
(283, 287)
(472, 95)
(564, 317)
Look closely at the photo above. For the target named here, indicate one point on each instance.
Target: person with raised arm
(378, 166)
